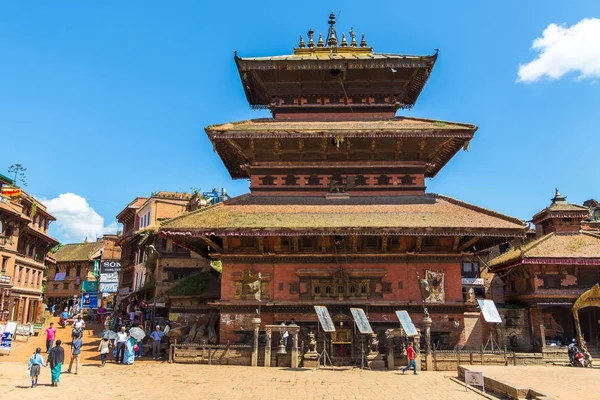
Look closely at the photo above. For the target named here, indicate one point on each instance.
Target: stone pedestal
(256, 325)
(311, 359)
(375, 361)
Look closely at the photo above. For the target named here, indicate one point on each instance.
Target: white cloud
(563, 50)
(76, 219)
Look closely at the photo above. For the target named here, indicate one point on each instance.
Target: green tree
(19, 172)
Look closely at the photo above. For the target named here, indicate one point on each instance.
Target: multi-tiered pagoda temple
(337, 213)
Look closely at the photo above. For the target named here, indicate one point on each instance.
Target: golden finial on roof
(320, 41)
(311, 42)
(352, 37)
(363, 42)
(344, 41)
(301, 44)
(331, 35)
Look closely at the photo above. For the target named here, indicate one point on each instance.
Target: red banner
(11, 191)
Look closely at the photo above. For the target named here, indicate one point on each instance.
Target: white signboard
(325, 319)
(109, 287)
(361, 320)
(489, 311)
(111, 277)
(406, 323)
(474, 378)
(473, 281)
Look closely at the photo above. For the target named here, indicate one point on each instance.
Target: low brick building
(75, 263)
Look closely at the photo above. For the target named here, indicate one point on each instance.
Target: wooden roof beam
(212, 244)
(455, 243)
(469, 243)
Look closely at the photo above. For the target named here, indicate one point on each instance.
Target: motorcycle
(579, 360)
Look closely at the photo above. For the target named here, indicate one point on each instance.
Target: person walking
(50, 335)
(56, 358)
(129, 352)
(410, 353)
(75, 352)
(35, 363)
(156, 337)
(104, 349)
(120, 344)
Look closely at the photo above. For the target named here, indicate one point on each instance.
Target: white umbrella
(137, 333)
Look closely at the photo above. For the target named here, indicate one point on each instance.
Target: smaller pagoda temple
(549, 273)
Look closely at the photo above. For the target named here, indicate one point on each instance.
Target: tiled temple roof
(264, 215)
(308, 128)
(578, 245)
(78, 251)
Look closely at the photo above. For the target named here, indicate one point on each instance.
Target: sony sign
(110, 266)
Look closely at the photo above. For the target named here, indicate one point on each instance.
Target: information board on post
(89, 300)
(489, 311)
(325, 319)
(22, 330)
(8, 333)
(474, 378)
(406, 323)
(361, 320)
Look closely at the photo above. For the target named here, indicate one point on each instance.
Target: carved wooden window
(309, 243)
(291, 180)
(294, 288)
(286, 244)
(386, 287)
(280, 286)
(360, 180)
(363, 289)
(68, 271)
(340, 290)
(407, 180)
(313, 180)
(65, 286)
(247, 242)
(383, 180)
(267, 180)
(312, 100)
(430, 243)
(552, 281)
(370, 242)
(327, 289)
(352, 289)
(586, 278)
(317, 289)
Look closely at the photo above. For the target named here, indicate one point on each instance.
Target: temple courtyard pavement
(148, 379)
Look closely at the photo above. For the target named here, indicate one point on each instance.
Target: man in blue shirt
(156, 337)
(75, 352)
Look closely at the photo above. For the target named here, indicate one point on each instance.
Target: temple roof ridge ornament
(559, 198)
(331, 44)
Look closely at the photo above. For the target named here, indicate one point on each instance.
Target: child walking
(34, 366)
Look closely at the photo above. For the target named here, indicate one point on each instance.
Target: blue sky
(108, 100)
